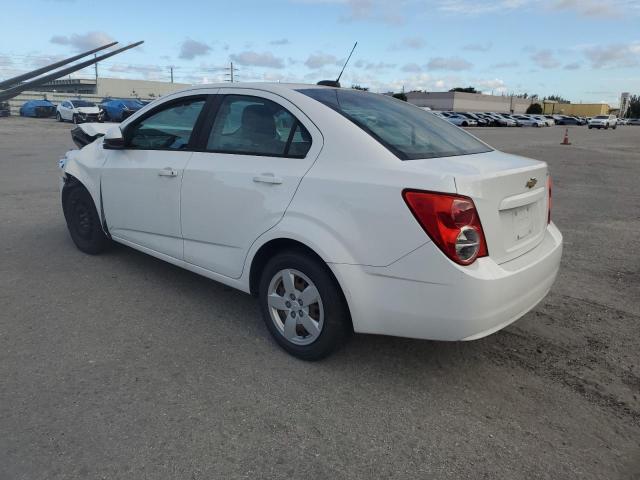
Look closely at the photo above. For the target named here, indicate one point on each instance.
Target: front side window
(169, 128)
(249, 125)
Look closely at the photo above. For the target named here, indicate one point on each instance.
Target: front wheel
(303, 306)
(58, 116)
(83, 221)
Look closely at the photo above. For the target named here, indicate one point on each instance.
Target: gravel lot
(122, 366)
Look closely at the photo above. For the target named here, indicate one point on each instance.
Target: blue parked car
(37, 108)
(117, 109)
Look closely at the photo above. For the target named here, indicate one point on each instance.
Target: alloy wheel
(295, 306)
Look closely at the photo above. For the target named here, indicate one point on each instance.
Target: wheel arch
(280, 244)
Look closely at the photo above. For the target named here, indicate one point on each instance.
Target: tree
(535, 109)
(557, 98)
(400, 96)
(464, 89)
(634, 107)
(358, 87)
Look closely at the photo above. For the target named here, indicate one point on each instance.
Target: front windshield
(83, 103)
(407, 131)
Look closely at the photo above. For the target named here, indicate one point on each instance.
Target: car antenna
(336, 82)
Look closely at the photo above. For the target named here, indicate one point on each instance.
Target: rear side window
(407, 131)
(249, 125)
(167, 129)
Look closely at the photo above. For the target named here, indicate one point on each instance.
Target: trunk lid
(510, 194)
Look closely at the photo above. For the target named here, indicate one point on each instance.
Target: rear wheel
(303, 306)
(74, 118)
(83, 221)
(58, 116)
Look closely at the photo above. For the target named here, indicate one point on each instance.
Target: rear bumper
(425, 295)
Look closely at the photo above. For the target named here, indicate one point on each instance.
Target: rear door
(255, 151)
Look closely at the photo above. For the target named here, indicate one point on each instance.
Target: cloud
(474, 7)
(319, 60)
(478, 47)
(412, 68)
(495, 85)
(153, 72)
(451, 63)
(257, 59)
(572, 66)
(505, 65)
(391, 13)
(409, 43)
(190, 49)
(374, 66)
(598, 8)
(83, 41)
(613, 56)
(545, 59)
(281, 41)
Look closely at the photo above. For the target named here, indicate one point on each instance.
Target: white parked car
(459, 120)
(340, 210)
(549, 122)
(528, 121)
(603, 121)
(78, 111)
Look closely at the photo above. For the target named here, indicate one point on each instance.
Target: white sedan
(459, 120)
(341, 210)
(78, 111)
(528, 121)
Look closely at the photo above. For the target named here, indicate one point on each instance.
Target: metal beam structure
(18, 89)
(39, 71)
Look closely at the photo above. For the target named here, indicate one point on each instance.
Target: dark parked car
(117, 109)
(5, 111)
(564, 120)
(37, 108)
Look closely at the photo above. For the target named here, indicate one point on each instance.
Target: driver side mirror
(113, 140)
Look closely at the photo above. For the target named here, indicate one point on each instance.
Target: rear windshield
(407, 131)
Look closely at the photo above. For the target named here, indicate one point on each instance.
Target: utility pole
(96, 65)
(171, 70)
(231, 75)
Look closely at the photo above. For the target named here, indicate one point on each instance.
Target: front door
(141, 183)
(257, 150)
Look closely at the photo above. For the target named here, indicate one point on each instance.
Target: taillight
(549, 187)
(451, 221)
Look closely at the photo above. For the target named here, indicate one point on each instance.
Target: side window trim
(163, 106)
(207, 126)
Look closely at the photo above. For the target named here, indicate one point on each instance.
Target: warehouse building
(469, 102)
(577, 109)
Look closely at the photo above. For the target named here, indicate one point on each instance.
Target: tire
(590, 127)
(465, 124)
(614, 127)
(329, 315)
(58, 117)
(74, 119)
(83, 221)
(606, 127)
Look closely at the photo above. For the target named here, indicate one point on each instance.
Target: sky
(584, 50)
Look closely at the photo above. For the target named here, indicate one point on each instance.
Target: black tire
(336, 324)
(58, 117)
(606, 127)
(83, 221)
(614, 127)
(74, 119)
(590, 127)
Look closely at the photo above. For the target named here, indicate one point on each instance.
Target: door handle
(268, 178)
(168, 172)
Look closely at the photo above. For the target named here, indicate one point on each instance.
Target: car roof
(275, 87)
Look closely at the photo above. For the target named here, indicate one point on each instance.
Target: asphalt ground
(121, 366)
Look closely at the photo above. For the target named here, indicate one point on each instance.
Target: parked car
(603, 121)
(5, 110)
(566, 120)
(38, 108)
(549, 122)
(118, 109)
(459, 120)
(500, 120)
(633, 121)
(528, 121)
(479, 120)
(341, 210)
(78, 111)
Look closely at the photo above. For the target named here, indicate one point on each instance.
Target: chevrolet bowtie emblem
(531, 183)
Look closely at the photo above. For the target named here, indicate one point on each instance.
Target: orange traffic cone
(565, 140)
